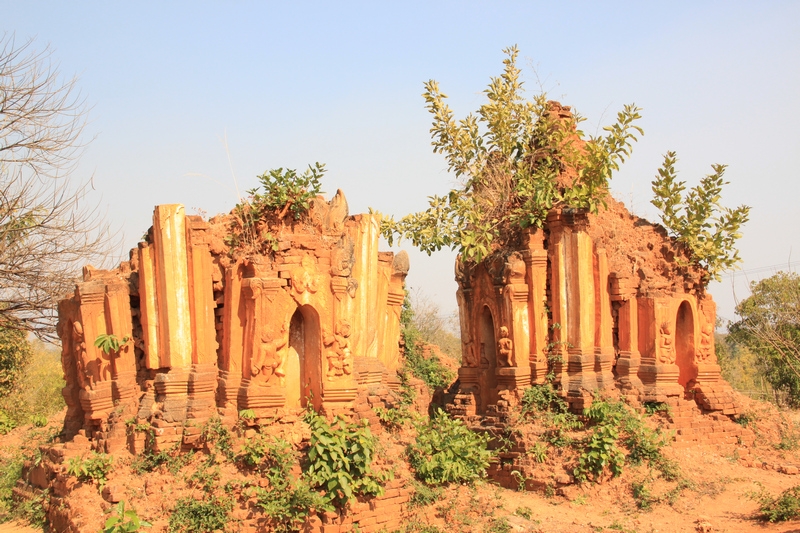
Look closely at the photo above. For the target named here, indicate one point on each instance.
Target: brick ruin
(559, 303)
(310, 316)
(204, 332)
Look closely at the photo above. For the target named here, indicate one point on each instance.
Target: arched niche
(684, 344)
(488, 357)
(304, 360)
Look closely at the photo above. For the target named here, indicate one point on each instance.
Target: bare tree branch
(48, 227)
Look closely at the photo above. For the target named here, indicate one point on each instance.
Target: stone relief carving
(514, 271)
(305, 278)
(706, 347)
(665, 342)
(338, 355)
(270, 359)
(468, 352)
(505, 348)
(343, 257)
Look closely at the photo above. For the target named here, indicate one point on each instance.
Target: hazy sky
(340, 82)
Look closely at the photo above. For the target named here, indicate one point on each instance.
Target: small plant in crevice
(110, 343)
(94, 468)
(653, 408)
(524, 512)
(173, 460)
(424, 494)
(124, 521)
(206, 515)
(218, 439)
(447, 451)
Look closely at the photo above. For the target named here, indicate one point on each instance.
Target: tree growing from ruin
(516, 159)
(48, 228)
(697, 220)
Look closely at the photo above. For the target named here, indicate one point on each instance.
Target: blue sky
(289, 84)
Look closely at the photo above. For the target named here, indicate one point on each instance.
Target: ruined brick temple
(203, 332)
(600, 301)
(605, 302)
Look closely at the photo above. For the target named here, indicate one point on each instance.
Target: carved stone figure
(468, 353)
(514, 272)
(706, 343)
(339, 356)
(305, 278)
(667, 353)
(269, 360)
(78, 341)
(505, 348)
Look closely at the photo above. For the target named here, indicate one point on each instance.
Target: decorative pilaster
(658, 371)
(123, 363)
(174, 315)
(264, 348)
(535, 257)
(94, 366)
(603, 337)
(623, 290)
(574, 302)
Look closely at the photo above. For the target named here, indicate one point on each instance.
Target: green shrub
(619, 434)
(544, 404)
(423, 494)
(200, 516)
(6, 424)
(122, 521)
(10, 472)
(218, 439)
(447, 451)
(36, 390)
(286, 499)
(172, 459)
(525, 512)
(784, 507)
(15, 356)
(430, 369)
(340, 458)
(95, 468)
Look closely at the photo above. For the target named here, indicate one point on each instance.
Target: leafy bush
(545, 404)
(6, 424)
(511, 157)
(95, 468)
(447, 451)
(600, 453)
(36, 390)
(10, 472)
(218, 439)
(618, 435)
(15, 354)
(707, 230)
(122, 521)
(340, 458)
(200, 516)
(784, 507)
(285, 190)
(430, 369)
(286, 499)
